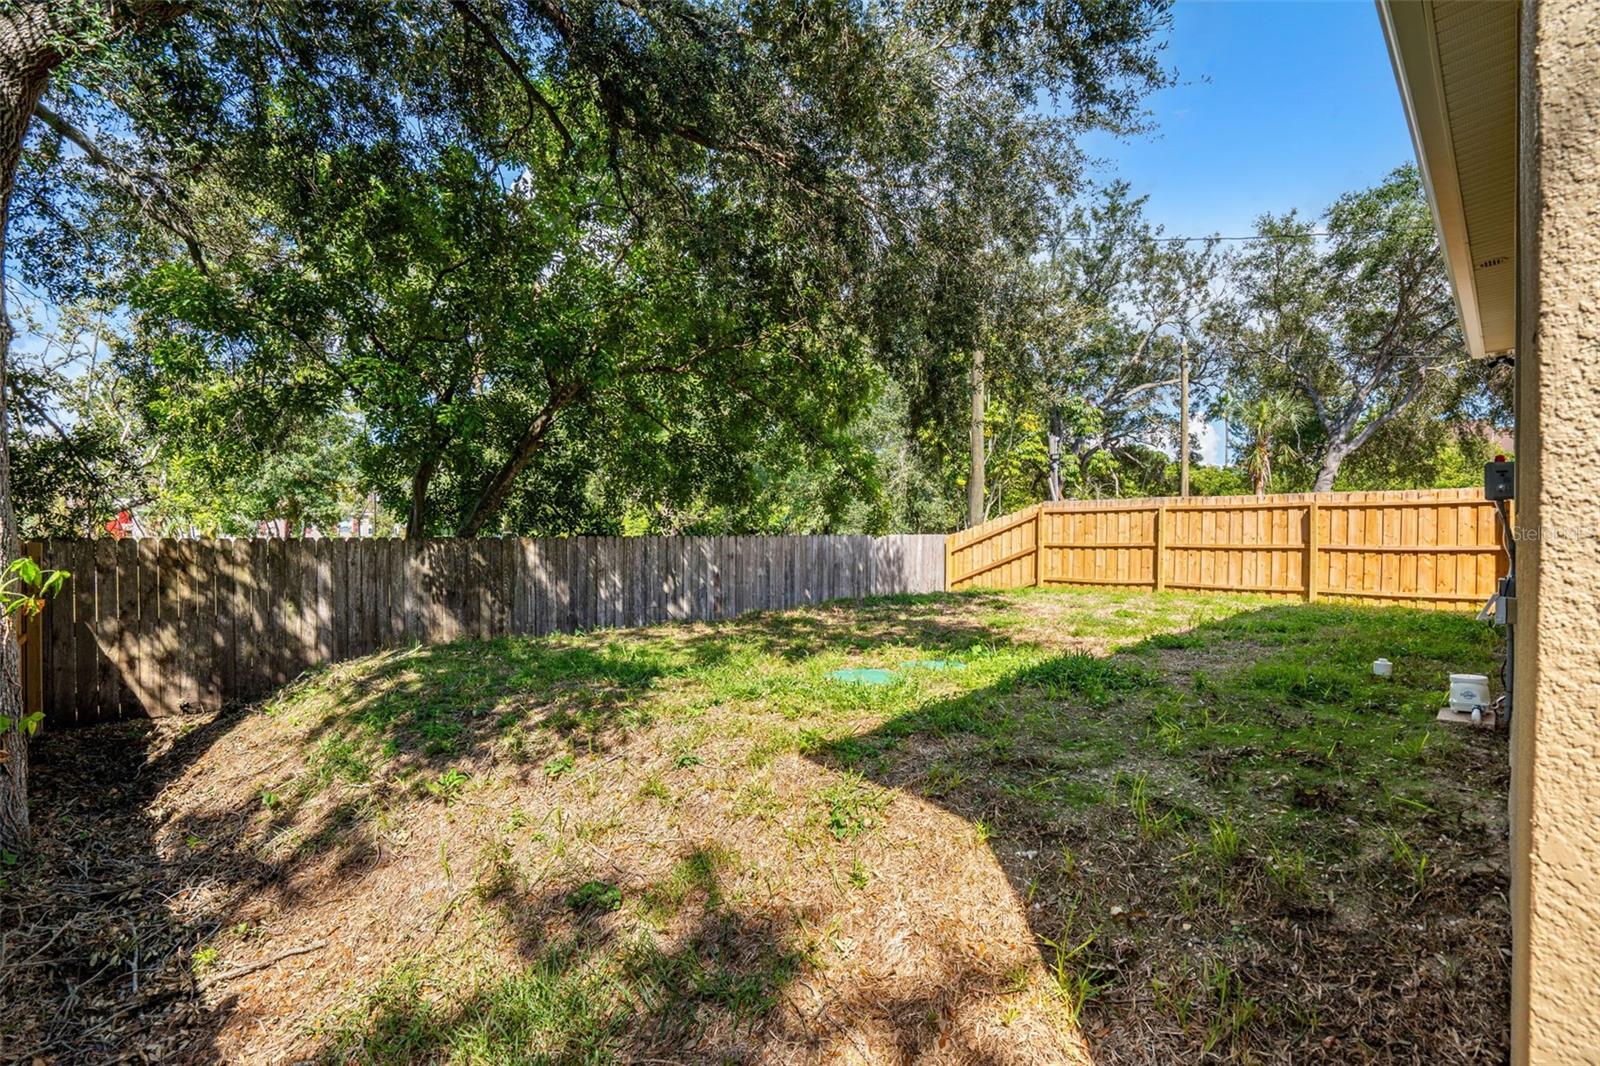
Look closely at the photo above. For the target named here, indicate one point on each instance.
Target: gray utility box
(1499, 481)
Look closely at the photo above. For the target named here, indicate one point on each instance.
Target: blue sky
(1280, 104)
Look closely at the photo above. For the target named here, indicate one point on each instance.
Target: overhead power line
(1213, 237)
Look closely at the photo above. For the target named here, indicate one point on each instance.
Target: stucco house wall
(1555, 744)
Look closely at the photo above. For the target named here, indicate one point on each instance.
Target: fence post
(949, 562)
(1038, 547)
(1161, 547)
(1311, 551)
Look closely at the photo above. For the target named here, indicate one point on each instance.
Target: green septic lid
(937, 664)
(864, 676)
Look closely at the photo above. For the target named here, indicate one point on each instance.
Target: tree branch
(1394, 409)
(514, 65)
(152, 196)
(522, 453)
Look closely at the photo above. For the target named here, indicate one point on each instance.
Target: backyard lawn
(1071, 826)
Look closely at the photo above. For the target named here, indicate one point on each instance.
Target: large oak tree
(490, 225)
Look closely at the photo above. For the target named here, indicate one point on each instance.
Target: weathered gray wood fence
(155, 627)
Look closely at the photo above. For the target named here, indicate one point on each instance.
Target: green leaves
(25, 586)
(548, 263)
(1359, 325)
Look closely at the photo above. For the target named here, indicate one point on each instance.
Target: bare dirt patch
(688, 844)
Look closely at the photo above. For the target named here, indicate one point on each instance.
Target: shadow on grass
(1228, 841)
(583, 983)
(95, 966)
(1232, 841)
(1225, 840)
(699, 979)
(95, 963)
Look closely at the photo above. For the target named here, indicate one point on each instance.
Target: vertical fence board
(154, 627)
(103, 625)
(85, 654)
(1438, 548)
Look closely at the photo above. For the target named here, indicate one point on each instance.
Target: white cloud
(1210, 437)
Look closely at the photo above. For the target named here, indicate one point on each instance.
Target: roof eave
(1408, 31)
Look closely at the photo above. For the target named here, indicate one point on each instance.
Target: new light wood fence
(1434, 548)
(154, 627)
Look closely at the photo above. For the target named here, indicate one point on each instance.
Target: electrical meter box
(1499, 480)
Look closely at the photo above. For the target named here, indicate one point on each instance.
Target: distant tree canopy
(553, 264)
(606, 266)
(1360, 326)
(1330, 355)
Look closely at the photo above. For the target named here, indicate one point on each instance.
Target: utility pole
(1183, 433)
(975, 487)
(1224, 403)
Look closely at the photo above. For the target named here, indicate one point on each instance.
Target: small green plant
(1410, 860)
(1190, 895)
(656, 789)
(497, 873)
(1075, 978)
(448, 785)
(1167, 729)
(337, 757)
(1233, 1011)
(852, 806)
(859, 875)
(595, 897)
(1413, 747)
(24, 588)
(686, 760)
(270, 799)
(1226, 843)
(203, 959)
(1090, 678)
(560, 765)
(1175, 994)
(1287, 869)
(1151, 824)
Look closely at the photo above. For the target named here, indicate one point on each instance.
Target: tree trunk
(975, 486)
(1053, 443)
(26, 60)
(494, 494)
(1332, 459)
(417, 520)
(34, 37)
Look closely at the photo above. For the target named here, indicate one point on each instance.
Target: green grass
(556, 1009)
(1178, 772)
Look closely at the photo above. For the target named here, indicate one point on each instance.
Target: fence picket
(154, 627)
(1420, 547)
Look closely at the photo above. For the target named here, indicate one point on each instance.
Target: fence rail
(1437, 548)
(155, 627)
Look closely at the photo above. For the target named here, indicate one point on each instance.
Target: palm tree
(1266, 419)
